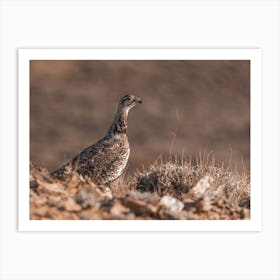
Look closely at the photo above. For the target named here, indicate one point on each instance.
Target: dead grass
(173, 189)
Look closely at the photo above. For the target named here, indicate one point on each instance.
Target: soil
(166, 191)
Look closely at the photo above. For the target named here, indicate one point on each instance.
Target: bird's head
(125, 104)
(129, 101)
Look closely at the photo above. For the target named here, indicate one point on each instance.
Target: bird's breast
(118, 157)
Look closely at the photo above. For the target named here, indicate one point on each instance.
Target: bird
(106, 160)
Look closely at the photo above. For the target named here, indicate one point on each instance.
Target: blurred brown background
(205, 103)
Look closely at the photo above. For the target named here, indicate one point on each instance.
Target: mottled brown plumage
(106, 160)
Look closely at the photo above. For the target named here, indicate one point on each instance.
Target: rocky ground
(167, 190)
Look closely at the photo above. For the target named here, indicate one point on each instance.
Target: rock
(52, 187)
(86, 199)
(151, 198)
(190, 203)
(218, 191)
(71, 205)
(106, 205)
(102, 192)
(245, 203)
(202, 185)
(41, 211)
(118, 209)
(34, 184)
(172, 203)
(108, 193)
(205, 204)
(139, 207)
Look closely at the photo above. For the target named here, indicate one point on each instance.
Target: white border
(254, 55)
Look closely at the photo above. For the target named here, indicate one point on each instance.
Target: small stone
(86, 199)
(245, 203)
(203, 185)
(108, 193)
(71, 205)
(34, 184)
(106, 205)
(52, 187)
(205, 204)
(140, 207)
(172, 203)
(41, 211)
(118, 209)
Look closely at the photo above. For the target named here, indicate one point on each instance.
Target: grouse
(106, 160)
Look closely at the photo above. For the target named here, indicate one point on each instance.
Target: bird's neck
(120, 122)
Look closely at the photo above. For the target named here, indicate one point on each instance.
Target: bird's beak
(138, 100)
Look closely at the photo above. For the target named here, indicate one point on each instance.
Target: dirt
(168, 190)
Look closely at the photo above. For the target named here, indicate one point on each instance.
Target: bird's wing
(100, 159)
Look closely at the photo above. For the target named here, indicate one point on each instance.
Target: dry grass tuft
(167, 190)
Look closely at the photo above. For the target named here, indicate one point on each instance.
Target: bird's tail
(62, 172)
